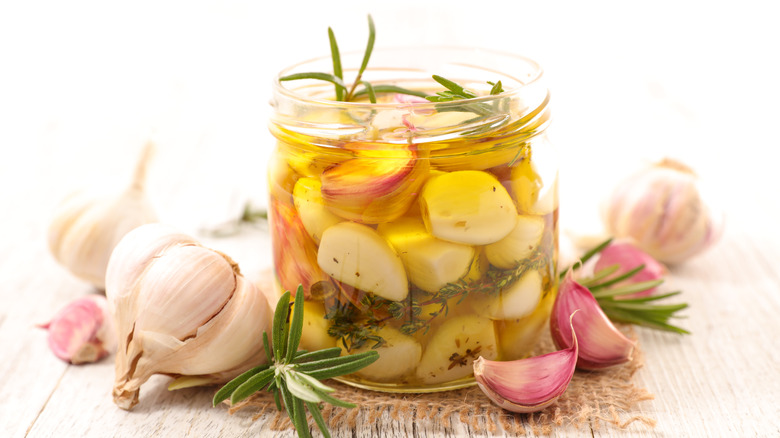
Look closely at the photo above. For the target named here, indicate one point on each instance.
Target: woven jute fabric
(594, 399)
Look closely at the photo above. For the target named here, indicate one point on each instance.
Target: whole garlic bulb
(182, 310)
(662, 210)
(86, 228)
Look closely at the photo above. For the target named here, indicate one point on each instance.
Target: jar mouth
(413, 68)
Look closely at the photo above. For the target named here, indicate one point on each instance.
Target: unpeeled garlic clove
(662, 208)
(82, 331)
(376, 186)
(182, 310)
(86, 228)
(294, 251)
(627, 256)
(601, 344)
(531, 384)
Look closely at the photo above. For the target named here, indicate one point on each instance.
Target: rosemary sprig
(455, 91)
(336, 56)
(294, 376)
(347, 93)
(364, 64)
(642, 311)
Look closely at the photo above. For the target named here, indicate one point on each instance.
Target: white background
(83, 84)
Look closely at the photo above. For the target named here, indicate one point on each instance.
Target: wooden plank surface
(696, 84)
(720, 381)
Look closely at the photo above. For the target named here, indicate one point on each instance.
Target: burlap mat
(593, 399)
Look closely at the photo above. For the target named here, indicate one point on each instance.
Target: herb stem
(366, 57)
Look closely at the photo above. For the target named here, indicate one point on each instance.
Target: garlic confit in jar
(426, 230)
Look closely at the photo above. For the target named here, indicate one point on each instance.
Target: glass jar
(427, 231)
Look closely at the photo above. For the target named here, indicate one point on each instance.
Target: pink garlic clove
(82, 331)
(601, 344)
(628, 256)
(408, 98)
(531, 384)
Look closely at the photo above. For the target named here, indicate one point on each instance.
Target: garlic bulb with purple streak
(661, 208)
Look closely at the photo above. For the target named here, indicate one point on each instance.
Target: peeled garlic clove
(430, 262)
(398, 356)
(357, 255)
(516, 300)
(467, 206)
(628, 257)
(601, 344)
(314, 215)
(531, 384)
(82, 331)
(519, 336)
(315, 328)
(85, 229)
(454, 346)
(663, 210)
(535, 195)
(182, 310)
(520, 243)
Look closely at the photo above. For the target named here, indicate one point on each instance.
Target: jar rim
(533, 79)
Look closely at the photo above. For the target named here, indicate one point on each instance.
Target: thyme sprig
(351, 326)
(355, 329)
(294, 376)
(640, 311)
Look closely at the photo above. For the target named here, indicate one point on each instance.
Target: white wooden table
(86, 86)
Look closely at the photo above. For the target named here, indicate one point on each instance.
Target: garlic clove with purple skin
(531, 384)
(82, 331)
(601, 344)
(628, 256)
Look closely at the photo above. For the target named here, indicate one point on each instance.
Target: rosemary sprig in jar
(347, 93)
(295, 376)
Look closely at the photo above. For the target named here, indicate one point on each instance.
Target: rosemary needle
(640, 311)
(294, 376)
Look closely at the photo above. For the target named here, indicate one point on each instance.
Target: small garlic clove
(601, 344)
(627, 256)
(531, 384)
(82, 331)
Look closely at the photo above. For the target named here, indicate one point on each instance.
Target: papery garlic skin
(661, 208)
(531, 384)
(86, 228)
(181, 309)
(627, 256)
(601, 344)
(82, 331)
